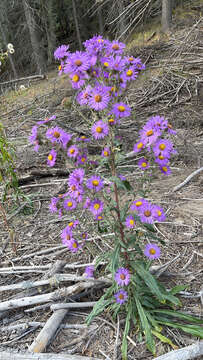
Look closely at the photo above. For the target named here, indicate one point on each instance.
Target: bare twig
(187, 353)
(178, 187)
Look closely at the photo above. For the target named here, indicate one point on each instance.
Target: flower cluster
(151, 141)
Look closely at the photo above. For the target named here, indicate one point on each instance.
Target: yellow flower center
(100, 217)
(152, 251)
(73, 187)
(50, 157)
(132, 222)
(149, 133)
(78, 62)
(96, 206)
(164, 168)
(83, 137)
(111, 120)
(115, 47)
(71, 224)
(147, 213)
(138, 203)
(130, 58)
(75, 78)
(159, 212)
(106, 64)
(121, 108)
(99, 129)
(98, 98)
(106, 153)
(72, 151)
(100, 40)
(70, 203)
(162, 146)
(140, 145)
(83, 159)
(113, 89)
(95, 182)
(161, 157)
(56, 134)
(60, 67)
(67, 237)
(129, 73)
(75, 245)
(144, 164)
(121, 296)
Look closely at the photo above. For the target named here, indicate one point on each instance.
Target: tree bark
(35, 42)
(166, 15)
(76, 24)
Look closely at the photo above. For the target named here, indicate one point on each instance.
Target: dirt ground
(36, 230)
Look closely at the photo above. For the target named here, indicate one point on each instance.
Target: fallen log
(32, 77)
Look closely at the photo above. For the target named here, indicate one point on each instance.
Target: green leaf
(146, 327)
(164, 339)
(176, 289)
(124, 346)
(180, 315)
(190, 329)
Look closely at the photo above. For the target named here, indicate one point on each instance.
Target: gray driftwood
(5, 355)
(186, 353)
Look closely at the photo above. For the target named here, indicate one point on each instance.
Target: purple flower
(143, 164)
(116, 63)
(72, 245)
(115, 47)
(130, 222)
(77, 80)
(32, 138)
(52, 205)
(95, 183)
(54, 134)
(69, 204)
(129, 74)
(87, 203)
(73, 151)
(72, 225)
(53, 117)
(89, 270)
(61, 52)
(105, 152)
(121, 296)
(170, 129)
(66, 234)
(99, 98)
(163, 147)
(165, 170)
(152, 251)
(95, 45)
(158, 213)
(83, 96)
(100, 129)
(81, 159)
(146, 214)
(138, 205)
(51, 159)
(121, 110)
(96, 207)
(162, 160)
(78, 61)
(76, 177)
(122, 276)
(149, 134)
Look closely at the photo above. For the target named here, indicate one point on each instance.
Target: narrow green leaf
(180, 315)
(193, 330)
(164, 339)
(146, 327)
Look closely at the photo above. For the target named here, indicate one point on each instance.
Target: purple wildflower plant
(152, 251)
(143, 164)
(138, 205)
(72, 151)
(69, 204)
(158, 213)
(106, 152)
(72, 245)
(121, 296)
(165, 169)
(122, 276)
(146, 214)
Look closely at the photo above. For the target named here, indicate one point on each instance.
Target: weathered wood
(48, 331)
(32, 77)
(186, 353)
(53, 296)
(55, 307)
(4, 355)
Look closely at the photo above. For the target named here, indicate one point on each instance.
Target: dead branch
(72, 305)
(32, 77)
(4, 355)
(186, 181)
(186, 353)
(53, 296)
